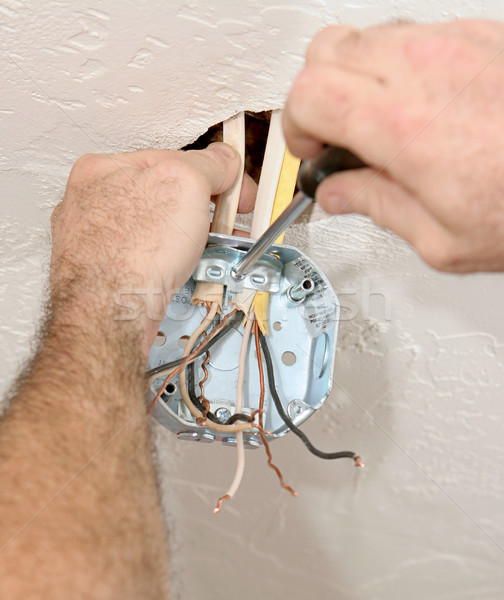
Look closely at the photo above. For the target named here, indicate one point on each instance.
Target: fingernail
(224, 149)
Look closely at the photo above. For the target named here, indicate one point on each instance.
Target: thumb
(218, 164)
(372, 193)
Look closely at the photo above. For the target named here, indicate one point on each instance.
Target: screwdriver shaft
(289, 215)
(311, 173)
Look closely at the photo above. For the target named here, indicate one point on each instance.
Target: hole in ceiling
(256, 133)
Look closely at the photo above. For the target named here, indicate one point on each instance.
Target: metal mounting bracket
(303, 323)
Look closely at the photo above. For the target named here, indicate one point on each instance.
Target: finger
(94, 166)
(211, 171)
(219, 163)
(333, 106)
(300, 142)
(248, 195)
(325, 46)
(142, 159)
(389, 205)
(376, 51)
(212, 161)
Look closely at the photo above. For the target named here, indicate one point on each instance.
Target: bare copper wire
(163, 387)
(359, 462)
(201, 397)
(205, 376)
(256, 412)
(263, 433)
(206, 408)
(187, 359)
(219, 503)
(261, 372)
(260, 411)
(270, 462)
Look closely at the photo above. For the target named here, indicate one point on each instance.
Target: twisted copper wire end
(256, 412)
(260, 427)
(270, 462)
(192, 355)
(206, 407)
(358, 462)
(205, 373)
(201, 398)
(218, 507)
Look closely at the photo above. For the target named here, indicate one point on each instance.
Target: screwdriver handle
(311, 173)
(330, 160)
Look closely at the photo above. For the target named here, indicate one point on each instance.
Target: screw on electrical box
(229, 441)
(222, 414)
(196, 436)
(252, 441)
(299, 340)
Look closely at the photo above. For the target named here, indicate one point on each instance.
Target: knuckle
(87, 160)
(56, 211)
(177, 170)
(468, 27)
(323, 45)
(464, 26)
(86, 166)
(301, 89)
(442, 253)
(302, 84)
(314, 85)
(478, 32)
(355, 44)
(55, 215)
(437, 51)
(174, 165)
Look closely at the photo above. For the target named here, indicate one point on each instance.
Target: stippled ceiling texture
(420, 362)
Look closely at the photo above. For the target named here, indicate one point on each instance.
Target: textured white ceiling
(418, 392)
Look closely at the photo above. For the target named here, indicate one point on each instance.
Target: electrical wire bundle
(275, 191)
(239, 422)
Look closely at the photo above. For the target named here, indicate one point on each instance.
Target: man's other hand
(423, 106)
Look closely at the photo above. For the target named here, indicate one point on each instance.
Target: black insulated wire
(175, 363)
(191, 386)
(239, 417)
(191, 383)
(285, 417)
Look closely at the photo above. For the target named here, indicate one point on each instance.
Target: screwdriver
(311, 173)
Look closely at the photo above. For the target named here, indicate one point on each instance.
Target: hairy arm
(79, 503)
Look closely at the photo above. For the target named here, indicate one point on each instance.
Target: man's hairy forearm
(76, 470)
(80, 513)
